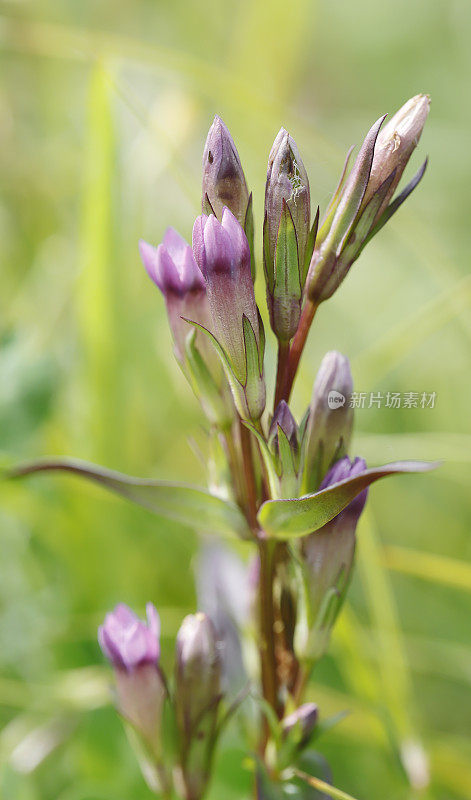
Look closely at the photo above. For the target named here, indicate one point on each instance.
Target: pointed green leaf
(311, 243)
(398, 201)
(286, 519)
(197, 508)
(249, 232)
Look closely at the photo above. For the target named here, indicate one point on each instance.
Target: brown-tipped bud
(395, 145)
(223, 177)
(330, 420)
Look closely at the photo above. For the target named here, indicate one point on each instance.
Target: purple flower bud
(197, 697)
(327, 557)
(283, 419)
(303, 721)
(394, 146)
(330, 420)
(174, 270)
(127, 641)
(287, 181)
(133, 648)
(361, 204)
(285, 235)
(223, 177)
(222, 253)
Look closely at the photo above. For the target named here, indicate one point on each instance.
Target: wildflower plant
(291, 489)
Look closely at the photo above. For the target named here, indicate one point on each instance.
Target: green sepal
(267, 258)
(332, 207)
(362, 227)
(398, 201)
(254, 386)
(352, 193)
(287, 289)
(204, 386)
(249, 232)
(310, 245)
(268, 459)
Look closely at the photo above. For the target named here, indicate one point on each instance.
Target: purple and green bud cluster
(188, 716)
(289, 486)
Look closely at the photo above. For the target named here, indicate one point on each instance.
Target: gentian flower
(133, 648)
(174, 270)
(222, 253)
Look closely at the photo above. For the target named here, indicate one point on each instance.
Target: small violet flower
(127, 641)
(174, 270)
(222, 253)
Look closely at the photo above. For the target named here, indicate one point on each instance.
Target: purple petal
(149, 259)
(198, 241)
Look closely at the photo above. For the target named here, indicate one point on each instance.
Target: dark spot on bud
(210, 157)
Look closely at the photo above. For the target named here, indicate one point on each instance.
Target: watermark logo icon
(335, 399)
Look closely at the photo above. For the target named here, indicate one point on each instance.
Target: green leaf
(197, 508)
(286, 519)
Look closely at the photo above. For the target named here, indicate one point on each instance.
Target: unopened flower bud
(224, 182)
(287, 181)
(285, 448)
(330, 420)
(222, 253)
(301, 723)
(174, 270)
(286, 234)
(283, 418)
(133, 648)
(327, 557)
(394, 146)
(361, 204)
(197, 697)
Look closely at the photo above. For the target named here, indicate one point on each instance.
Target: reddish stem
(249, 473)
(297, 347)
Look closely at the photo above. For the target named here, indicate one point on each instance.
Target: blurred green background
(104, 109)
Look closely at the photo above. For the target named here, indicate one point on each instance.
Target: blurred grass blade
(285, 519)
(316, 783)
(429, 566)
(196, 508)
(97, 286)
(397, 691)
